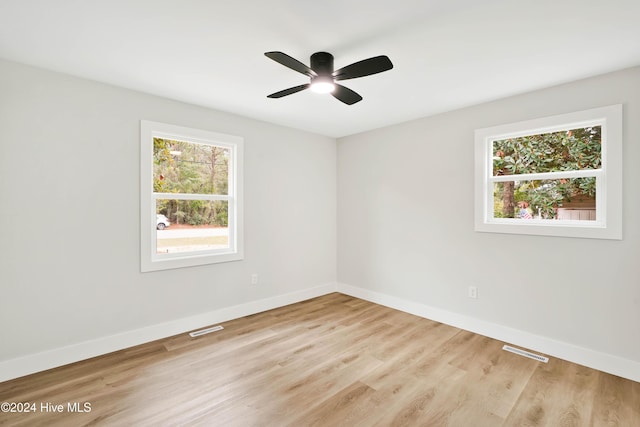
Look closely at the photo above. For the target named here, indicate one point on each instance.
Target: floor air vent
(205, 331)
(526, 354)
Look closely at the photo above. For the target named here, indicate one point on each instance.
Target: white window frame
(152, 261)
(608, 223)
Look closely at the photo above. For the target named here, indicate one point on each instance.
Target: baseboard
(33, 363)
(583, 356)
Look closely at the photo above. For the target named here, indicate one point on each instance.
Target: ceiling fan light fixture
(322, 84)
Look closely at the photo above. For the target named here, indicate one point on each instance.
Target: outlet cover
(473, 292)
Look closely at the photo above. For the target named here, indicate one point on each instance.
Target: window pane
(574, 149)
(191, 225)
(565, 199)
(185, 167)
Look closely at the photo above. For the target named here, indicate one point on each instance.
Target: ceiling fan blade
(366, 67)
(289, 91)
(345, 95)
(294, 64)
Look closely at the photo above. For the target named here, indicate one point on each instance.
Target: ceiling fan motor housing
(322, 63)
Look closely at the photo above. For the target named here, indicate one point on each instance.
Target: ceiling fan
(324, 78)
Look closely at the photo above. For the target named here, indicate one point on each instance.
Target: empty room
(337, 213)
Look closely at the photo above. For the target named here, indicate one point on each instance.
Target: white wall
(70, 215)
(406, 232)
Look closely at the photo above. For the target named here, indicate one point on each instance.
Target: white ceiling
(447, 54)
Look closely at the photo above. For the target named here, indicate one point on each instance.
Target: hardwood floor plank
(343, 408)
(330, 361)
(559, 393)
(616, 401)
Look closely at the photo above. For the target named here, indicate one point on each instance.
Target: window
(191, 197)
(555, 176)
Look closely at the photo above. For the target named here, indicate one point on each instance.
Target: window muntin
(192, 180)
(558, 176)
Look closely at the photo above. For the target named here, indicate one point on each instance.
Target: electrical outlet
(473, 292)
(254, 279)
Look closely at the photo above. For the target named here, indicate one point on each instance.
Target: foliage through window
(570, 150)
(554, 176)
(194, 199)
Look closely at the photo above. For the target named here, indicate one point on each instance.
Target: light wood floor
(330, 361)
